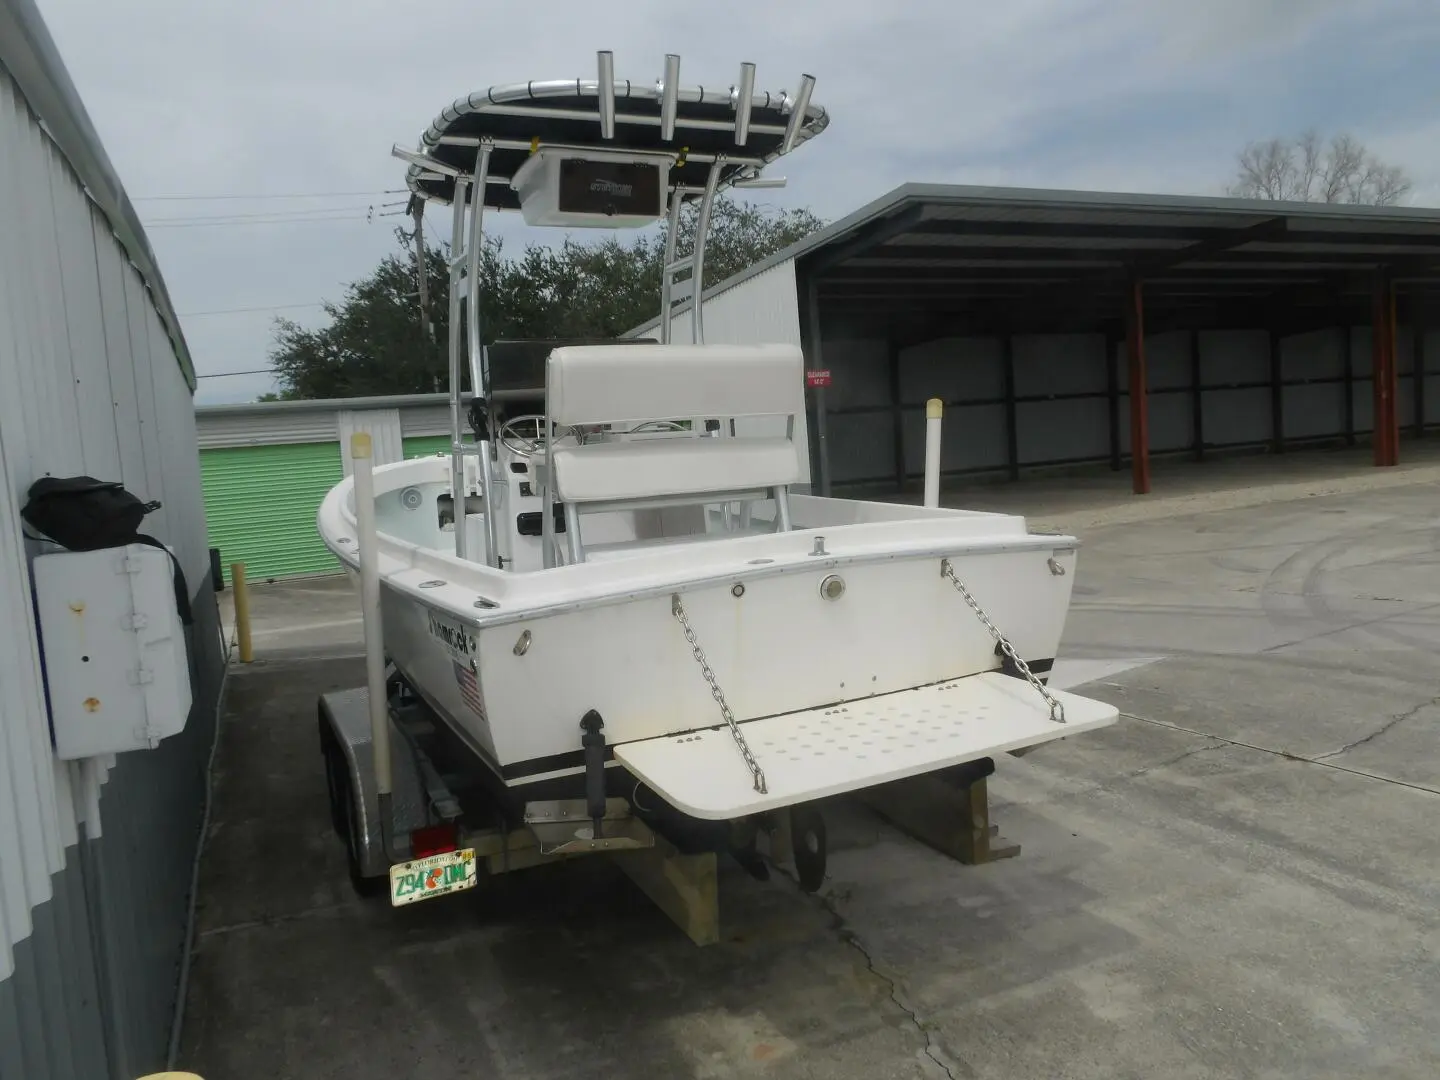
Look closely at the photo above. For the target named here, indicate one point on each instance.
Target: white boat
(635, 595)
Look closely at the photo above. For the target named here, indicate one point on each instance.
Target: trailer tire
(342, 811)
(336, 778)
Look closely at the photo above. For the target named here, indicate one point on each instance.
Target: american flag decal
(469, 689)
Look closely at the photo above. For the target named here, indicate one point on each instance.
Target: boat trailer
(447, 830)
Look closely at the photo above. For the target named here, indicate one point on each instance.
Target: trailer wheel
(336, 779)
(363, 886)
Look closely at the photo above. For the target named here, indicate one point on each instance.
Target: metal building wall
(1065, 389)
(95, 856)
(760, 310)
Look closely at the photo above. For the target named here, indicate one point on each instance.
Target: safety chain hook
(678, 610)
(1057, 711)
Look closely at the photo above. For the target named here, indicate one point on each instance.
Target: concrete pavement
(1237, 880)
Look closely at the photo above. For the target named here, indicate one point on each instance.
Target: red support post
(1382, 349)
(1139, 395)
(1391, 335)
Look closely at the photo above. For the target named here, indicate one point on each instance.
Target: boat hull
(775, 644)
(849, 604)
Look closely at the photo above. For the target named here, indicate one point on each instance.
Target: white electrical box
(114, 649)
(591, 188)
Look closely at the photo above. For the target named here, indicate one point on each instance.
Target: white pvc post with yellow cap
(934, 410)
(365, 539)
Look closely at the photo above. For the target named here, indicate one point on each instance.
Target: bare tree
(1305, 169)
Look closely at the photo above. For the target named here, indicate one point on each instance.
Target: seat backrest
(611, 384)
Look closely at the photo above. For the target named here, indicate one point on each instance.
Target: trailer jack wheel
(807, 832)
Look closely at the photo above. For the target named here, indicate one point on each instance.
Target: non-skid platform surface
(818, 752)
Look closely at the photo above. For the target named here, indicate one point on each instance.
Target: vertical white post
(934, 410)
(365, 538)
(457, 447)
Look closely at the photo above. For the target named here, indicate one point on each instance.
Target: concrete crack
(1212, 745)
(853, 940)
(1393, 722)
(850, 937)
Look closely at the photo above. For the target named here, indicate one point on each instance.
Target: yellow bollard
(242, 610)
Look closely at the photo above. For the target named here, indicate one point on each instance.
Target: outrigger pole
(682, 277)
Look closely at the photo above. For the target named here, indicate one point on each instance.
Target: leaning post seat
(630, 385)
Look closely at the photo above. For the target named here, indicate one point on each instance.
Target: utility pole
(427, 331)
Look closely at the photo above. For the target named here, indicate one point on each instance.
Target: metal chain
(1057, 711)
(678, 611)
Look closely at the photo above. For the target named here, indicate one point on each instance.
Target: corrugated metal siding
(764, 309)
(761, 310)
(384, 428)
(261, 503)
(89, 382)
(265, 429)
(426, 420)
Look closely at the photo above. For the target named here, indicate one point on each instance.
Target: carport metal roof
(931, 260)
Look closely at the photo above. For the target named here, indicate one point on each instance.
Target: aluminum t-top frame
(495, 142)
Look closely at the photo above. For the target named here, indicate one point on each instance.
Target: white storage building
(96, 853)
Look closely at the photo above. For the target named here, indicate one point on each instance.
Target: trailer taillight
(433, 840)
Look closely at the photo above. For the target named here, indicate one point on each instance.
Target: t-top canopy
(694, 123)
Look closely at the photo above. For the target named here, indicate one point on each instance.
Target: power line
(214, 222)
(300, 195)
(368, 219)
(227, 374)
(243, 310)
(313, 211)
(309, 211)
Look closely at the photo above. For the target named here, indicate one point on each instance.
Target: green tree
(374, 342)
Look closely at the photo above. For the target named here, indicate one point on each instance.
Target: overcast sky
(305, 97)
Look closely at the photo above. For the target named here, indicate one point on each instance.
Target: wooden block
(952, 818)
(685, 887)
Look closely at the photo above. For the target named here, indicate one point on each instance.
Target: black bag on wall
(81, 513)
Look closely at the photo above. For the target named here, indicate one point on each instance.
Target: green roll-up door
(423, 445)
(260, 506)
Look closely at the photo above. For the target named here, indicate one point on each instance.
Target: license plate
(436, 875)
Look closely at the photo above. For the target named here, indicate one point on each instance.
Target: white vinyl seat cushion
(653, 468)
(605, 384)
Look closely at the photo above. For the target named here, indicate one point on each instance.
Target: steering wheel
(521, 445)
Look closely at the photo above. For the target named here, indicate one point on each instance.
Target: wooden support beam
(1139, 395)
(685, 887)
(948, 810)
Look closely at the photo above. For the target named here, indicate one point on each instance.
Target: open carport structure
(1065, 327)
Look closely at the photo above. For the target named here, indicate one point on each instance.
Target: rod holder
(934, 414)
(797, 113)
(744, 95)
(424, 161)
(669, 96)
(606, 66)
